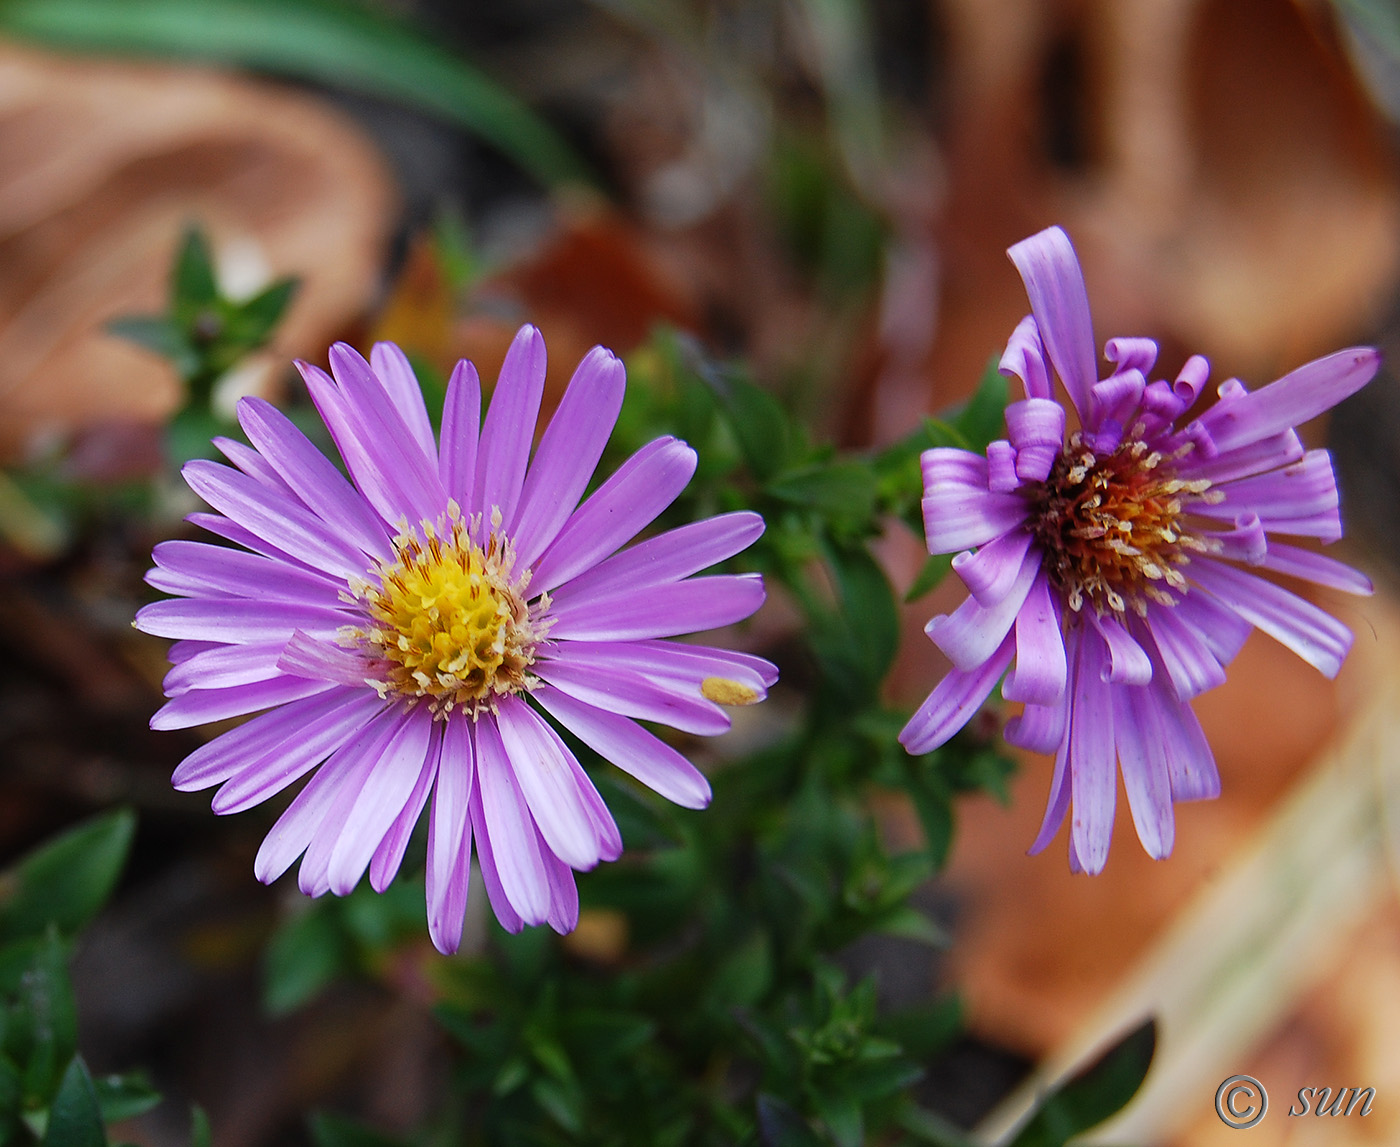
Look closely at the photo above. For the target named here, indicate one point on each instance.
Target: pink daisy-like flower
(1110, 566)
(411, 633)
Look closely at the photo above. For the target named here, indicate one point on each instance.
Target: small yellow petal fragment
(723, 691)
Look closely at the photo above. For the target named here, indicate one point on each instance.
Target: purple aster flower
(1109, 569)
(424, 629)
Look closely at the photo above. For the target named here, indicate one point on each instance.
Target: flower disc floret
(1111, 526)
(449, 622)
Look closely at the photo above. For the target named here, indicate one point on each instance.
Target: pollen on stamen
(1111, 528)
(448, 622)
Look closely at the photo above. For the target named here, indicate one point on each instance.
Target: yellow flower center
(1111, 527)
(448, 621)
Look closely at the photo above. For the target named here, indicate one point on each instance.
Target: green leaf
(759, 423)
(260, 314)
(193, 283)
(859, 643)
(343, 45)
(41, 1030)
(305, 954)
(75, 1120)
(935, 569)
(782, 1125)
(201, 1134)
(909, 923)
(935, 809)
(67, 880)
(154, 332)
(1102, 1089)
(124, 1096)
(843, 487)
(329, 1130)
(983, 419)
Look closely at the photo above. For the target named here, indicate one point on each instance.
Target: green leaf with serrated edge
(983, 419)
(75, 1120)
(124, 1096)
(782, 1125)
(1094, 1094)
(67, 880)
(343, 45)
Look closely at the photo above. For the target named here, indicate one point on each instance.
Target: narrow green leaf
(305, 954)
(67, 880)
(865, 638)
(75, 1120)
(343, 45)
(759, 423)
(1102, 1089)
(154, 332)
(193, 284)
(124, 1096)
(330, 1130)
(201, 1134)
(844, 487)
(260, 314)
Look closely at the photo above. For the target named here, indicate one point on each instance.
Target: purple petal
(1128, 663)
(667, 610)
(267, 768)
(670, 556)
(230, 752)
(407, 471)
(1245, 543)
(1316, 568)
(1223, 631)
(236, 620)
(226, 665)
(1055, 286)
(312, 476)
(305, 656)
(972, 632)
(254, 465)
(630, 747)
(386, 795)
(1024, 357)
(540, 763)
(233, 532)
(513, 842)
(394, 372)
(1303, 493)
(287, 525)
(450, 837)
(1040, 674)
(643, 486)
(953, 702)
(609, 685)
(1039, 728)
(563, 894)
(1093, 765)
(1131, 354)
(1056, 804)
(461, 428)
(1315, 636)
(1143, 756)
(991, 571)
(509, 431)
(336, 412)
(1266, 454)
(345, 771)
(182, 651)
(1292, 400)
(200, 706)
(1190, 763)
(490, 876)
(959, 511)
(1184, 653)
(573, 443)
(1036, 428)
(674, 662)
(202, 570)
